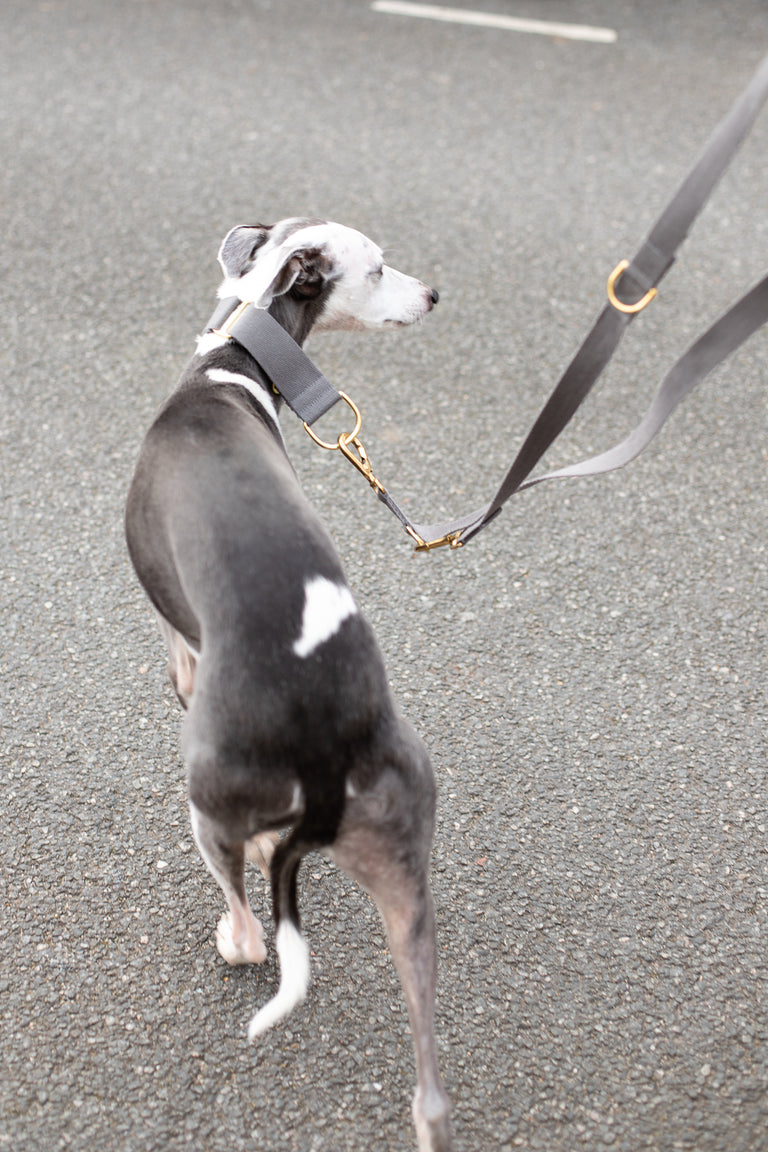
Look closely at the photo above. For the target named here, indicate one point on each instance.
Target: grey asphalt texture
(589, 674)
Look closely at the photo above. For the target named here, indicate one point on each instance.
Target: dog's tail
(292, 949)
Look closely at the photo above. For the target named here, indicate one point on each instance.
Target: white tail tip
(293, 954)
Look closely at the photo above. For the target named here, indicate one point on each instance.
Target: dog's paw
(247, 948)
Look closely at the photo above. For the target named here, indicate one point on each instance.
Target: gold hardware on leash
(230, 320)
(630, 309)
(345, 436)
(451, 540)
(361, 462)
(359, 457)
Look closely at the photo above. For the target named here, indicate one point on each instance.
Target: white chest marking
(326, 606)
(262, 398)
(209, 342)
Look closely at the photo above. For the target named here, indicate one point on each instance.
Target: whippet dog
(289, 719)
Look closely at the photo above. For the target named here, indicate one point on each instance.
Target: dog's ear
(263, 271)
(313, 269)
(240, 248)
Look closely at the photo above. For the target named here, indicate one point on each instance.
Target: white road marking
(490, 20)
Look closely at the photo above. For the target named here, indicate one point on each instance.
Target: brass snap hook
(451, 539)
(360, 460)
(358, 457)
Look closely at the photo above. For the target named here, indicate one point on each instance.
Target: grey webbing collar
(303, 386)
(309, 394)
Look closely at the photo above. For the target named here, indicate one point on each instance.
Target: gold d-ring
(613, 298)
(344, 437)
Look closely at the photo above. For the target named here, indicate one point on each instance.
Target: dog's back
(288, 670)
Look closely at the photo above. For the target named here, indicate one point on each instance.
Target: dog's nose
(435, 295)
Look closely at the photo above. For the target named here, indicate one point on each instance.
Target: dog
(289, 721)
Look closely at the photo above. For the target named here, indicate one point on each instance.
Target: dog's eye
(377, 273)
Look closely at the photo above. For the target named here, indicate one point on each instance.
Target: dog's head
(319, 274)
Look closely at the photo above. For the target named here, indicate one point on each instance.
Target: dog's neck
(296, 316)
(253, 345)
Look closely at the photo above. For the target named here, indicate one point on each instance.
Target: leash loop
(344, 437)
(619, 305)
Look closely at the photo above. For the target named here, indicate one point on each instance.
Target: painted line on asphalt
(489, 20)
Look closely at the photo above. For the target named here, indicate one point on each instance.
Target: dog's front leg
(182, 662)
(239, 936)
(372, 856)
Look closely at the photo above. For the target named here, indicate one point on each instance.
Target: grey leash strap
(727, 334)
(638, 280)
(716, 345)
(309, 394)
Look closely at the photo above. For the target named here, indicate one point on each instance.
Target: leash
(630, 288)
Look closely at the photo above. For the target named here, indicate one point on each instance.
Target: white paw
(247, 948)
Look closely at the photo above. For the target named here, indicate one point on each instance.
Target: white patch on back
(262, 398)
(326, 606)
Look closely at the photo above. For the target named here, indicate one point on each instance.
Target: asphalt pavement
(589, 674)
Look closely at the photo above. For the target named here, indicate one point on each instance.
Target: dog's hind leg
(239, 936)
(378, 851)
(260, 849)
(317, 828)
(292, 950)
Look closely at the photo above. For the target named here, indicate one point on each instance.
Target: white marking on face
(262, 398)
(367, 293)
(293, 954)
(376, 296)
(326, 606)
